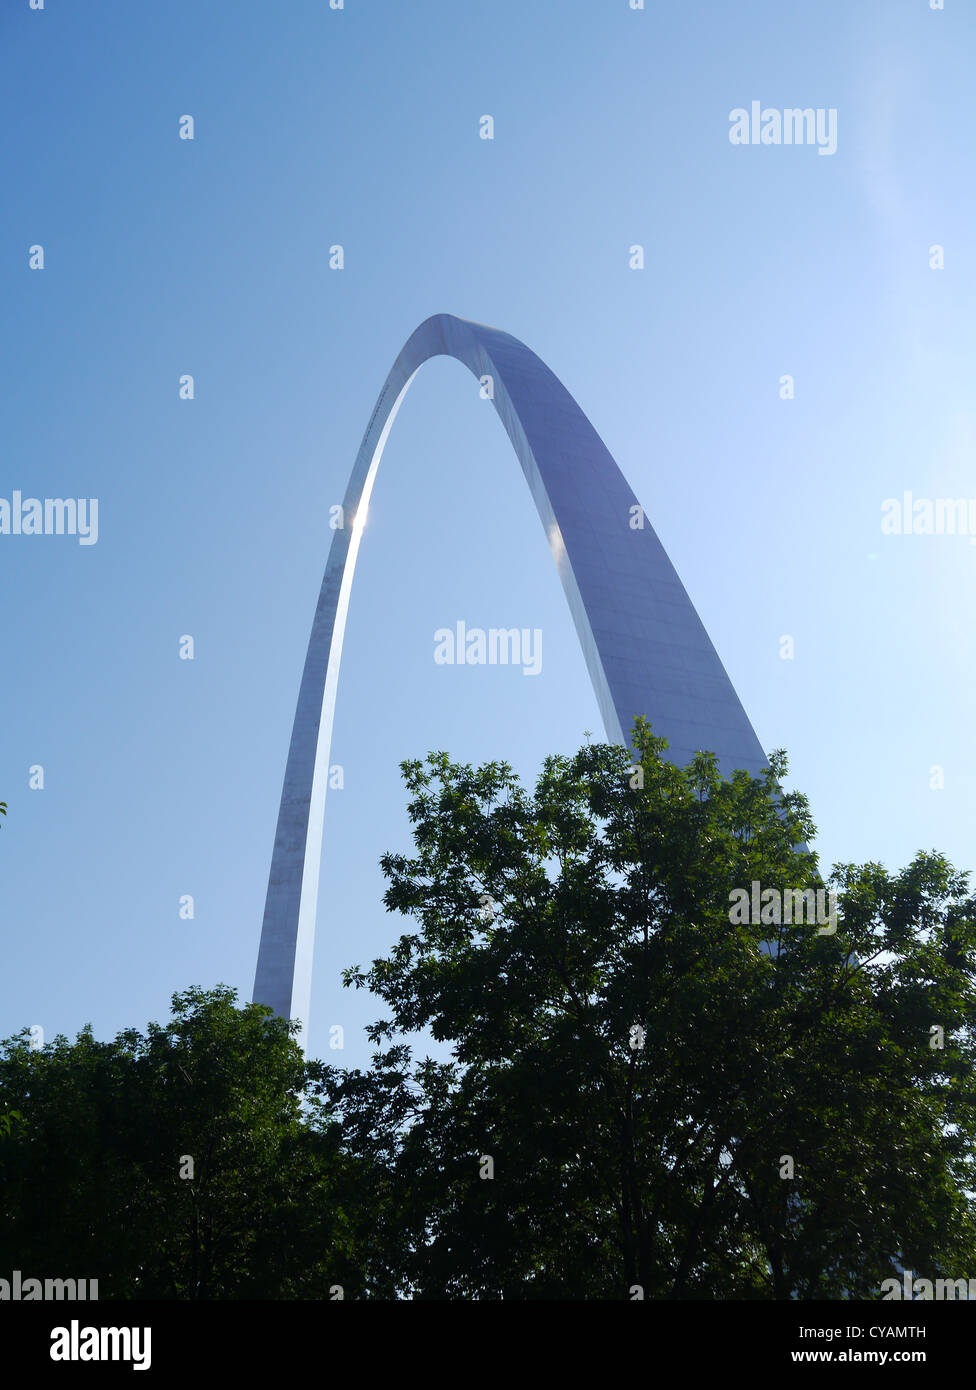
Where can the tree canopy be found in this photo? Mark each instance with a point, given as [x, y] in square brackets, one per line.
[647, 1098]
[640, 1090]
[177, 1163]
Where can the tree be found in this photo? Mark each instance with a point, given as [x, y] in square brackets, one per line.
[647, 1098]
[181, 1163]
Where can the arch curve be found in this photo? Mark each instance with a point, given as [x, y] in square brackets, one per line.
[646, 649]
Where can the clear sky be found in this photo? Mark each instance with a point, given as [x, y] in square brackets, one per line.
[315, 127]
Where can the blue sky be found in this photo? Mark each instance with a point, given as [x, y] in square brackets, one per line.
[360, 127]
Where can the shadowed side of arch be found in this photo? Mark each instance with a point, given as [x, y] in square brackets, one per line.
[646, 649]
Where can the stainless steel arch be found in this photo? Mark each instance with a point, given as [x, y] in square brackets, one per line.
[645, 647]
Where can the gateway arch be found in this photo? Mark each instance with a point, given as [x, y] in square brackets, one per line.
[645, 647]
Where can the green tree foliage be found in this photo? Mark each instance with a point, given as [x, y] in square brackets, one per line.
[643, 1089]
[636, 1070]
[90, 1174]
